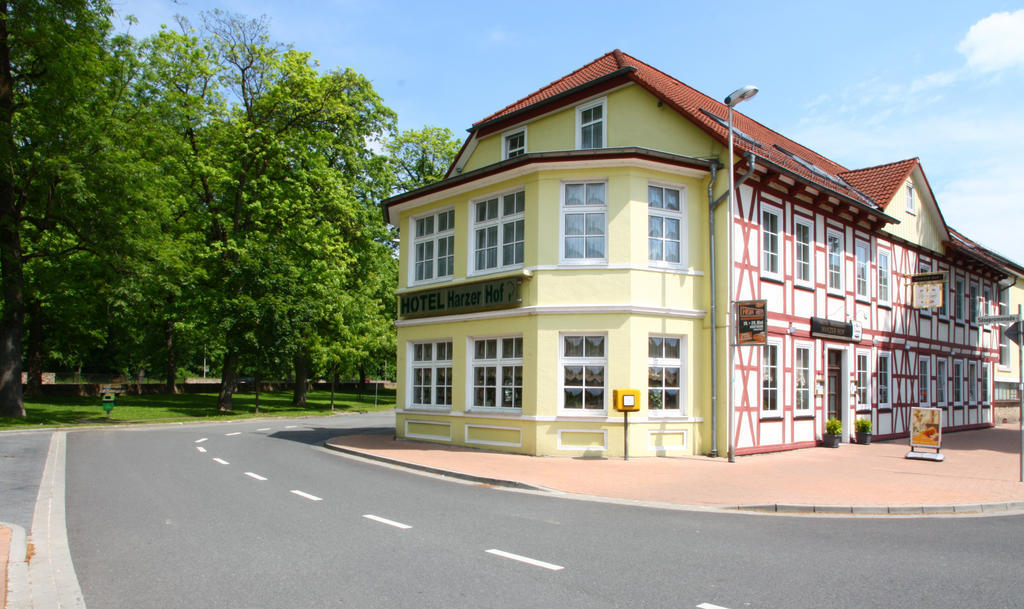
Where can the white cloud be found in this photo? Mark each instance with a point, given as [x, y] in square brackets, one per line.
[995, 43]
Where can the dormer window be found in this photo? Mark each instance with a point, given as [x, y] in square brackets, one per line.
[515, 144]
[910, 198]
[590, 119]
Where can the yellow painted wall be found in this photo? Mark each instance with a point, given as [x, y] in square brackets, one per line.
[924, 227]
[633, 118]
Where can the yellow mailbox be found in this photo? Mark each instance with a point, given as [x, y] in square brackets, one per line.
[626, 400]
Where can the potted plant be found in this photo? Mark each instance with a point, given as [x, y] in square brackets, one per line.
[863, 429]
[833, 433]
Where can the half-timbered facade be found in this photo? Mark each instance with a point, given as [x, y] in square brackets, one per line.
[578, 246]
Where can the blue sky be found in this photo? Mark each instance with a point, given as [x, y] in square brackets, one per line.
[861, 83]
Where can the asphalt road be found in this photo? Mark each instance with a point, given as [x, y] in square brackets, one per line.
[255, 514]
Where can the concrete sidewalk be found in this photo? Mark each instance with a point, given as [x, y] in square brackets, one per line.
[981, 473]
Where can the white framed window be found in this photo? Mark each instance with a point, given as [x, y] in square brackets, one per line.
[884, 276]
[911, 206]
[770, 369]
[863, 379]
[941, 380]
[986, 302]
[924, 267]
[803, 231]
[666, 224]
[883, 377]
[863, 256]
[972, 381]
[431, 374]
[960, 296]
[803, 372]
[584, 221]
[590, 121]
[497, 373]
[834, 244]
[974, 304]
[434, 246]
[986, 375]
[944, 308]
[498, 224]
[513, 144]
[771, 241]
[1004, 341]
[583, 360]
[958, 382]
[665, 361]
[924, 379]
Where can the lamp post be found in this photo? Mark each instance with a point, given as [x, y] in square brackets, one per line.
[737, 96]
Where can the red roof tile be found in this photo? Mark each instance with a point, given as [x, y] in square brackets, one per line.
[881, 182]
[701, 110]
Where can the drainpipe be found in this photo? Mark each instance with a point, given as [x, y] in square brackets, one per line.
[712, 205]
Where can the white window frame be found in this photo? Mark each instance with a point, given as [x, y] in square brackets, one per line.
[603, 104]
[924, 267]
[653, 361]
[973, 304]
[958, 383]
[499, 223]
[1004, 341]
[958, 308]
[924, 367]
[862, 271]
[972, 381]
[799, 222]
[884, 275]
[984, 396]
[944, 309]
[434, 364]
[565, 361]
[767, 239]
[772, 351]
[502, 362]
[434, 238]
[506, 151]
[668, 214]
[941, 382]
[883, 380]
[862, 377]
[807, 389]
[586, 210]
[831, 234]
[911, 207]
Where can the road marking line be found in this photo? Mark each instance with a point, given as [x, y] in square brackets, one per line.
[397, 525]
[307, 496]
[201, 440]
[201, 449]
[263, 429]
[221, 461]
[529, 561]
[290, 426]
[256, 476]
[709, 606]
[235, 433]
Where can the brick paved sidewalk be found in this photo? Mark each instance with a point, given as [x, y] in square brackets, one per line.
[980, 467]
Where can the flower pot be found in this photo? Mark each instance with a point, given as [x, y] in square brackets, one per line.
[830, 440]
[863, 437]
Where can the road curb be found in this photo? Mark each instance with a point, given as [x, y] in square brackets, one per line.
[17, 568]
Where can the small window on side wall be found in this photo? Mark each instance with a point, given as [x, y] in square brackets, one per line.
[514, 144]
[590, 121]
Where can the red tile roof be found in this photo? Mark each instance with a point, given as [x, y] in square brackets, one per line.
[881, 182]
[698, 108]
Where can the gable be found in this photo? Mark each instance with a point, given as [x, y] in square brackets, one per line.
[921, 222]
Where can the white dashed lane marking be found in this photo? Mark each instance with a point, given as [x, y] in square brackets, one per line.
[391, 523]
[709, 606]
[527, 560]
[234, 433]
[201, 440]
[255, 476]
[201, 449]
[306, 495]
[221, 461]
[263, 429]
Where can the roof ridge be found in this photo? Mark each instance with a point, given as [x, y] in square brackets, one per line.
[881, 165]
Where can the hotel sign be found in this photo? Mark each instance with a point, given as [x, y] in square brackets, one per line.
[826, 328]
[928, 289]
[461, 298]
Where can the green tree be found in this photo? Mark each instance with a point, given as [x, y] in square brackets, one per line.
[421, 156]
[280, 165]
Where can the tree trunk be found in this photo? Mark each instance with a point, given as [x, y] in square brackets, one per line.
[171, 376]
[34, 362]
[12, 278]
[138, 380]
[334, 380]
[228, 380]
[301, 378]
[362, 381]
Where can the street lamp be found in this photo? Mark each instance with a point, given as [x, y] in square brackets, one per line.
[737, 96]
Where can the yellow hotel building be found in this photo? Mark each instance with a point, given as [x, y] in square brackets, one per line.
[567, 256]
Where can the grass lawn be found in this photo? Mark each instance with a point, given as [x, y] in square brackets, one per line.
[61, 411]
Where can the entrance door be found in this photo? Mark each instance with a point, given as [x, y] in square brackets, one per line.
[834, 397]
